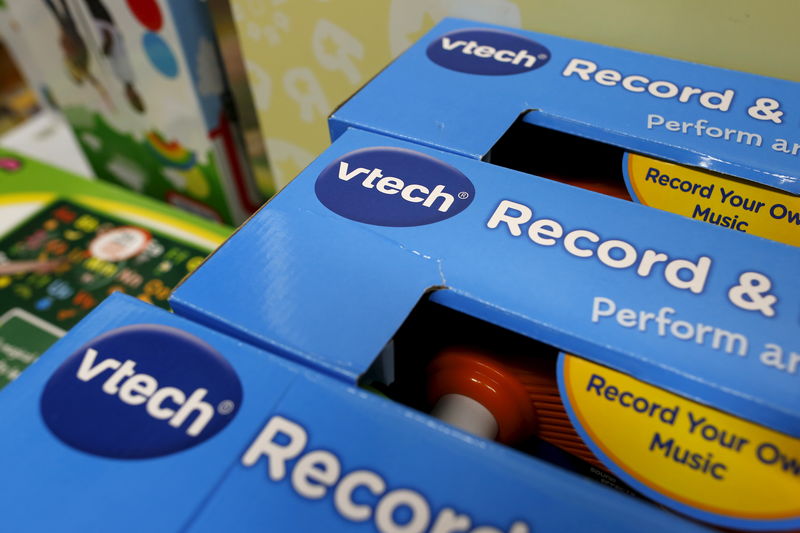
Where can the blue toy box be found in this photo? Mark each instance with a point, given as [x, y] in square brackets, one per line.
[139, 420]
[686, 384]
[711, 144]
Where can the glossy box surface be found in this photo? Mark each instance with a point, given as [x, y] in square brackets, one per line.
[298, 451]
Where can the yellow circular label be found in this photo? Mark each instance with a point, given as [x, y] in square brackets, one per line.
[690, 457]
[724, 201]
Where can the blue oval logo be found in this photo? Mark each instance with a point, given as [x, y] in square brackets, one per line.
[387, 186]
[487, 52]
[141, 391]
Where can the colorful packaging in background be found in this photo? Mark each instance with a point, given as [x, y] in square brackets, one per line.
[67, 243]
[151, 422]
[236, 74]
[302, 63]
[18, 99]
[686, 382]
[714, 145]
[141, 85]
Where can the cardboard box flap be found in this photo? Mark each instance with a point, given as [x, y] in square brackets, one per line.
[307, 288]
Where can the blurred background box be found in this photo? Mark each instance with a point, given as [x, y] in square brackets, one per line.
[67, 243]
[303, 59]
[18, 98]
[140, 83]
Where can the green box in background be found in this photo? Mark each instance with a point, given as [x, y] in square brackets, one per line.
[66, 243]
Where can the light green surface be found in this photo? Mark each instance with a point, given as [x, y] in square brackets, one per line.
[761, 37]
[35, 177]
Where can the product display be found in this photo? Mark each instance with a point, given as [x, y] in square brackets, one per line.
[66, 243]
[533, 284]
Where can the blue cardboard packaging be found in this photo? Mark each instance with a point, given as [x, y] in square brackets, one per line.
[686, 384]
[711, 144]
[140, 420]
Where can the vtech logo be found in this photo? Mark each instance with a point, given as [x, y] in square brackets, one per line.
[387, 186]
[487, 52]
[141, 391]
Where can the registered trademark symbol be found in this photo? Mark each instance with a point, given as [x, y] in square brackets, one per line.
[225, 407]
[542, 56]
[463, 195]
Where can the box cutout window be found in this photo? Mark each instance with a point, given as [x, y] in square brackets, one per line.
[561, 157]
[486, 380]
